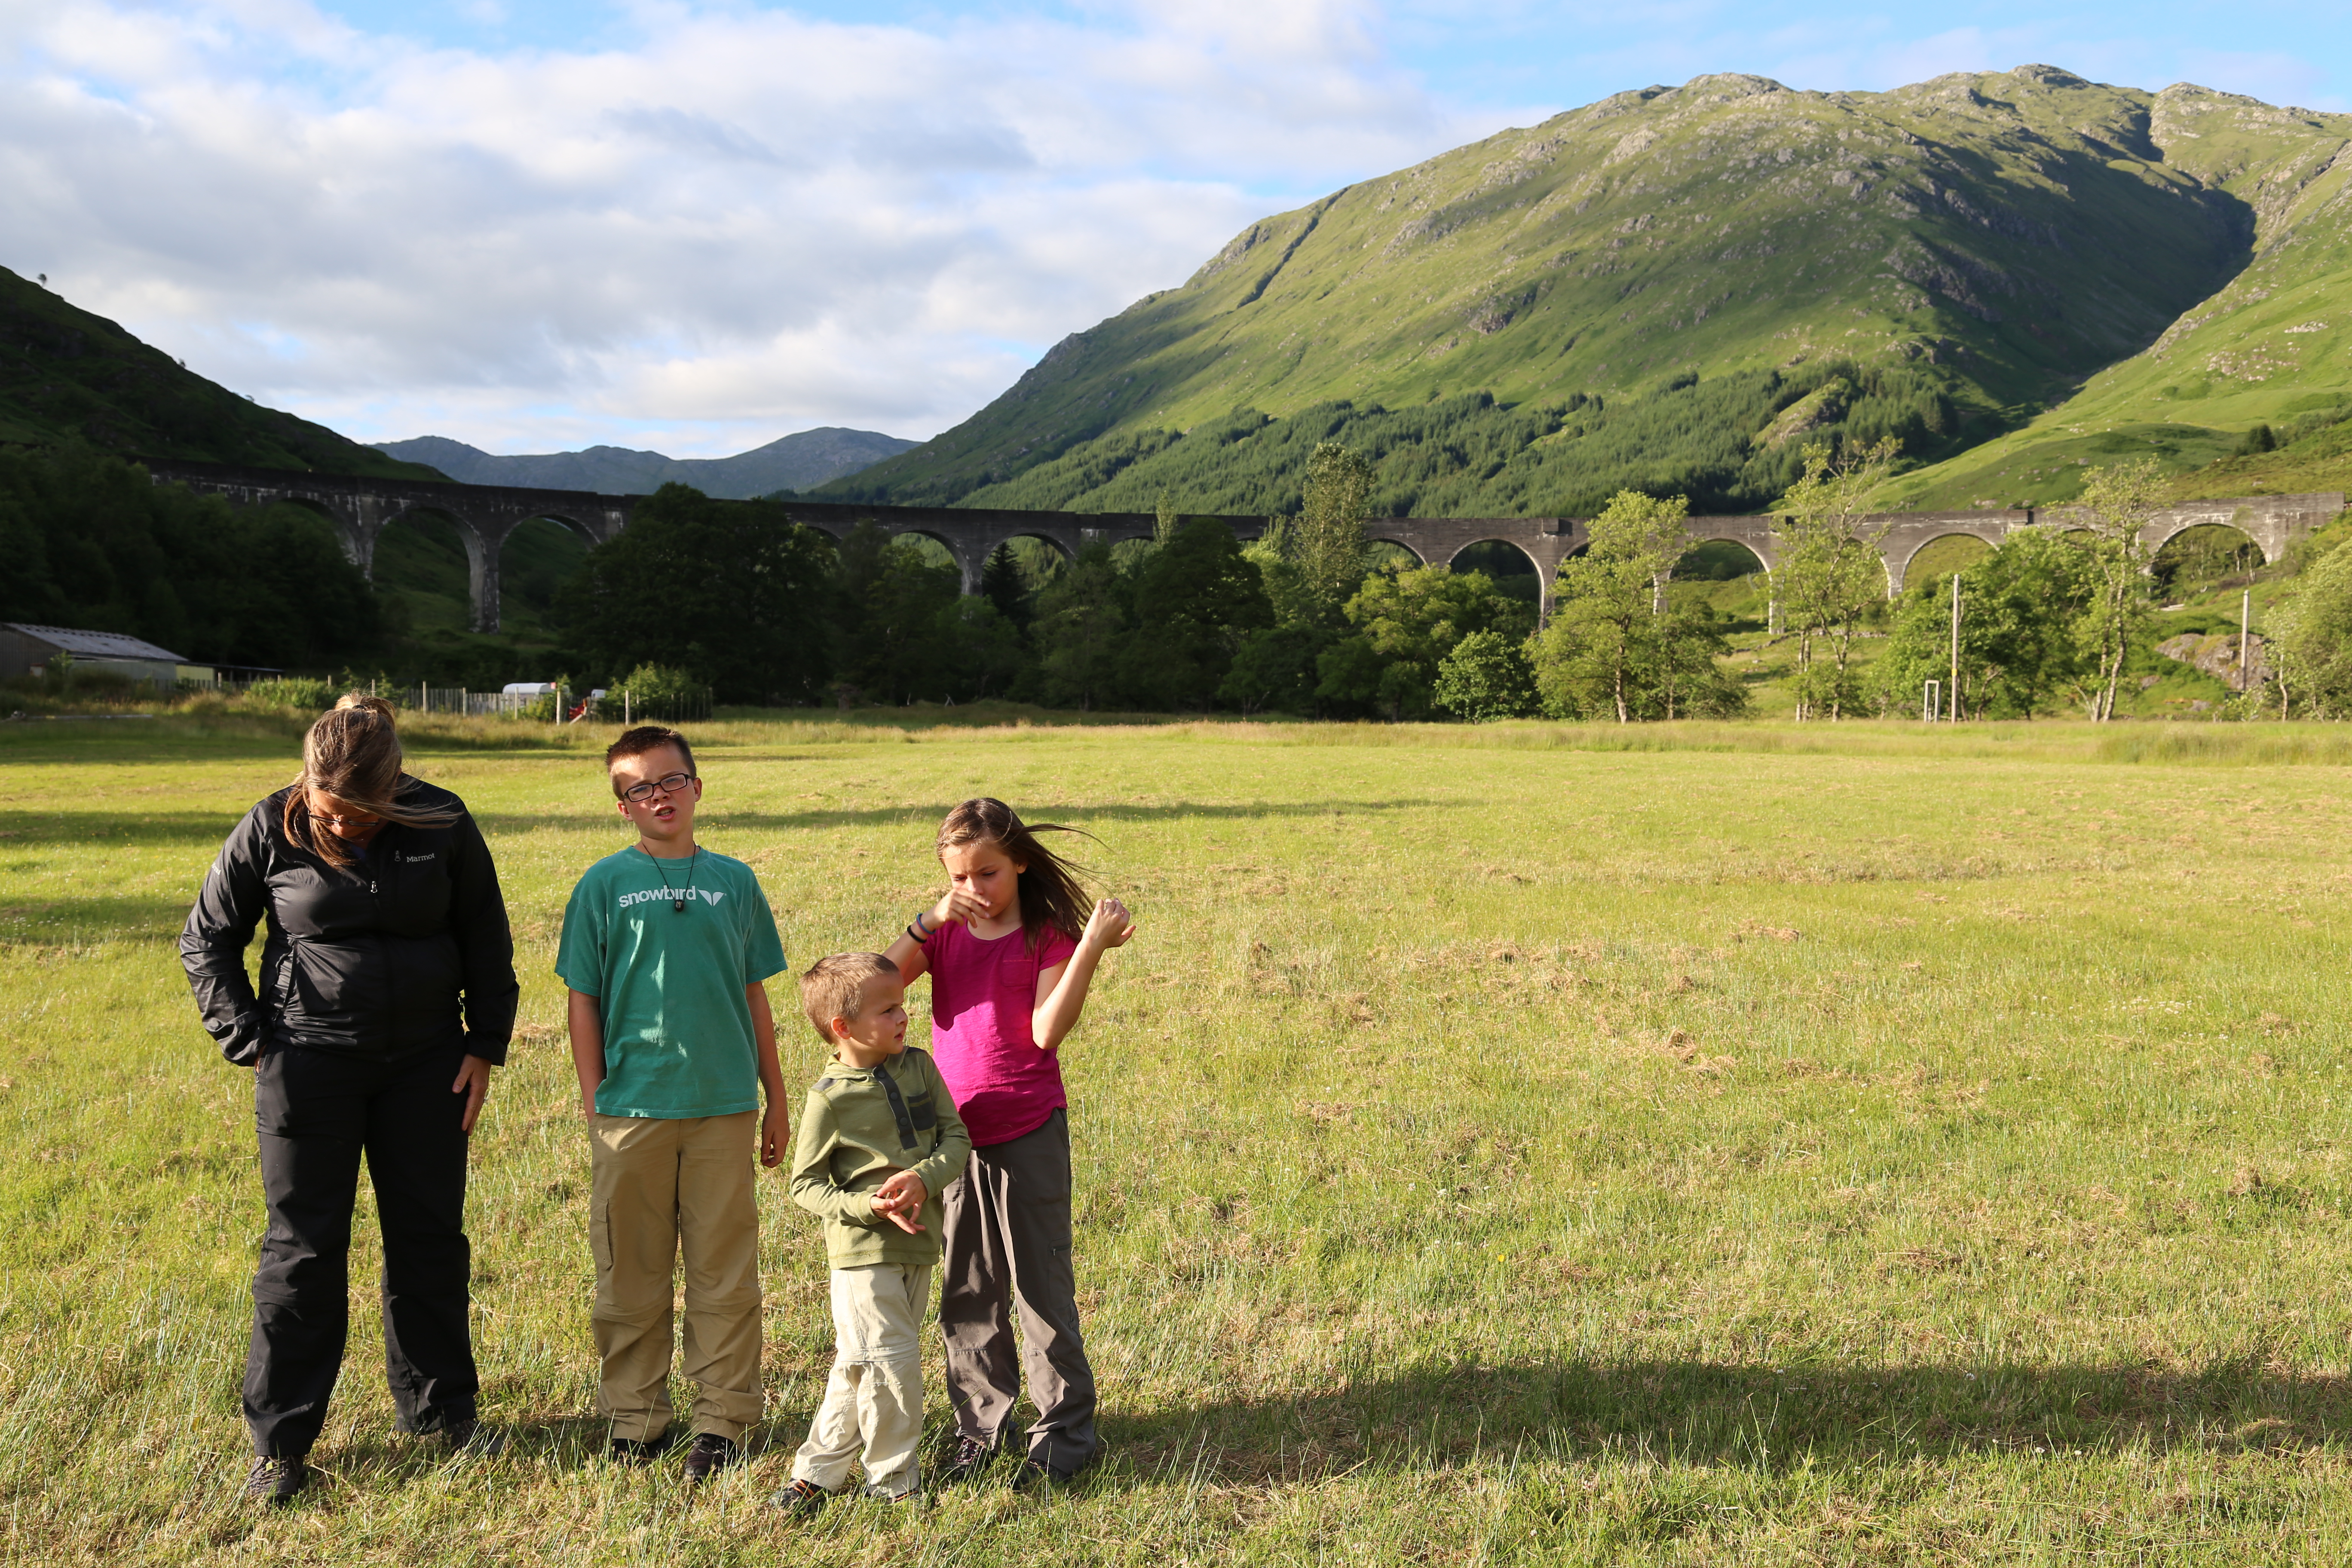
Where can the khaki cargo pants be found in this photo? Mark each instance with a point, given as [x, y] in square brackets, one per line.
[872, 1409]
[662, 1186]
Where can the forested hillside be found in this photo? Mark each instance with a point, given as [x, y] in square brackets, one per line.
[1663, 289]
[67, 375]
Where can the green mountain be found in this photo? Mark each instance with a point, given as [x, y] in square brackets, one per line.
[66, 375]
[1670, 288]
[2274, 346]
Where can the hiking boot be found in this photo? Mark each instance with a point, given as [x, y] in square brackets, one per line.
[972, 1457]
[636, 1451]
[1043, 1480]
[276, 1482]
[467, 1435]
[709, 1454]
[800, 1499]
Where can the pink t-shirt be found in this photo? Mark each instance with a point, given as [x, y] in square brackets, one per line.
[983, 995]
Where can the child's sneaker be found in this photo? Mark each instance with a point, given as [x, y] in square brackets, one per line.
[800, 1499]
[971, 1457]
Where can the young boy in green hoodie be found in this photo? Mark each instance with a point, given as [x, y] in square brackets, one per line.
[879, 1139]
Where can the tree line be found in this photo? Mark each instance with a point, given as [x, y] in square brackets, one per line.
[736, 598]
[87, 540]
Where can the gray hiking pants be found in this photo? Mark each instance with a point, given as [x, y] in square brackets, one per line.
[1008, 1247]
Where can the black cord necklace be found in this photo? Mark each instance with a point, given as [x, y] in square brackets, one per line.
[676, 900]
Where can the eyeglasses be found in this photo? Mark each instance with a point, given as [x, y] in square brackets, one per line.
[669, 783]
[358, 819]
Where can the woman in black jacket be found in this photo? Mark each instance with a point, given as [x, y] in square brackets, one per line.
[387, 994]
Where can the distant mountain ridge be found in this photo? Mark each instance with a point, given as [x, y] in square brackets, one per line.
[1640, 292]
[796, 462]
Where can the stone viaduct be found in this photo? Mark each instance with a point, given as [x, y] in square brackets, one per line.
[361, 508]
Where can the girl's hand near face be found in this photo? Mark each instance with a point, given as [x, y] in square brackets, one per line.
[1110, 926]
[959, 905]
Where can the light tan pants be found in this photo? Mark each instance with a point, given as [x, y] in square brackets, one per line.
[874, 1397]
[659, 1183]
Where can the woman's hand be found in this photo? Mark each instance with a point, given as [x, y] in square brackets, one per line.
[1110, 926]
[473, 1083]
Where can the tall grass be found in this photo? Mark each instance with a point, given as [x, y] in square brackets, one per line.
[1801, 1145]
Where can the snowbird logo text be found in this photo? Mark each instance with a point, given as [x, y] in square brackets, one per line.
[652, 895]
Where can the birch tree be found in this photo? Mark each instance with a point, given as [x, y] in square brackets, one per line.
[1599, 652]
[1326, 544]
[1831, 577]
[2117, 505]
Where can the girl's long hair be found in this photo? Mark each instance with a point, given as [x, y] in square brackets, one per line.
[352, 755]
[1051, 897]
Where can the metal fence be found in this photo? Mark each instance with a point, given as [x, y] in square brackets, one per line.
[617, 706]
[471, 704]
[625, 706]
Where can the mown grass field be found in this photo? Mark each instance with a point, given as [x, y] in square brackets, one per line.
[1752, 1144]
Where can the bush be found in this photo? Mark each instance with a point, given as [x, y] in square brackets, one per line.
[294, 692]
[1486, 676]
[658, 693]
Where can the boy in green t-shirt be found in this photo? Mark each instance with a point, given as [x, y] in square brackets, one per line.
[665, 949]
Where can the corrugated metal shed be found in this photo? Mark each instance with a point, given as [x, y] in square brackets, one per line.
[96, 644]
[26, 646]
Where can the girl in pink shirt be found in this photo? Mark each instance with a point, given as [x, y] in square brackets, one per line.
[1011, 949]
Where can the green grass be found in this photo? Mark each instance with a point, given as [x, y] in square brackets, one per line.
[1694, 1144]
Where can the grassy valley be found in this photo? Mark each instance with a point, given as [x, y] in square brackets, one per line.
[1835, 1144]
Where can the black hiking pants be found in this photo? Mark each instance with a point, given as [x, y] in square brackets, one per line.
[1008, 1253]
[317, 1113]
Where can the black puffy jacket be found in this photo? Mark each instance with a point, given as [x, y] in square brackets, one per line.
[404, 948]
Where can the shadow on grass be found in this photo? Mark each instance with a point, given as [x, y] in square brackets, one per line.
[105, 832]
[39, 922]
[1756, 1416]
[717, 819]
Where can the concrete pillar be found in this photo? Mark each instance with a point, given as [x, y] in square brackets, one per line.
[483, 542]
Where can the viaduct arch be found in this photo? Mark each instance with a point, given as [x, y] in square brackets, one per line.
[362, 507]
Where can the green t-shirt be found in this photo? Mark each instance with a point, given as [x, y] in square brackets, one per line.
[669, 983]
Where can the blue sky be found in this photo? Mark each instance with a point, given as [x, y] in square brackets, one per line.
[697, 227]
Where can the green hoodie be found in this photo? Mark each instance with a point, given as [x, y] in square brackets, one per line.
[859, 1126]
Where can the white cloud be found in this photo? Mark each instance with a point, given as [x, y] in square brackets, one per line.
[746, 223]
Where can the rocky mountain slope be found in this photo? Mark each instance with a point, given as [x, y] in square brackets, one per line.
[66, 375]
[797, 462]
[2272, 347]
[1670, 287]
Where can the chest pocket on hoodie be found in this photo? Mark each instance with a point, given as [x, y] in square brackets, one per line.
[921, 1111]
